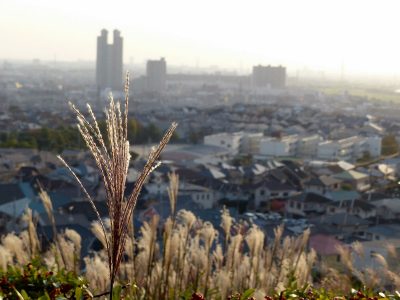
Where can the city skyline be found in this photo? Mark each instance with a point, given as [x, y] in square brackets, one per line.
[356, 35]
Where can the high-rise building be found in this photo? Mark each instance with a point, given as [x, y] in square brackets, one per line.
[156, 75]
[269, 76]
[109, 61]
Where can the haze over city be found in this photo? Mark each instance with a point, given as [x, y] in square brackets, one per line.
[200, 150]
[359, 37]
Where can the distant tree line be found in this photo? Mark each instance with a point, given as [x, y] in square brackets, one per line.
[68, 137]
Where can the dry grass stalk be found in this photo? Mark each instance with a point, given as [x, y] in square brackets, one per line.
[112, 160]
[35, 246]
[16, 248]
[173, 191]
[168, 228]
[226, 225]
[48, 206]
[190, 252]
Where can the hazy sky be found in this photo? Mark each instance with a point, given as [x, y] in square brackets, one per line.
[363, 34]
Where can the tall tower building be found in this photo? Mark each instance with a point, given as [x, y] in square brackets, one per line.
[156, 75]
[109, 61]
[269, 76]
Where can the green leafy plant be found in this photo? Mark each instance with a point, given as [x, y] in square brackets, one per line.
[35, 281]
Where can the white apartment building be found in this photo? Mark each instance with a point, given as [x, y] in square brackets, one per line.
[307, 146]
[231, 141]
[237, 142]
[250, 143]
[292, 145]
[285, 146]
[349, 149]
[374, 145]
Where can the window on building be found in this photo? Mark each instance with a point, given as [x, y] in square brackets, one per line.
[298, 205]
[262, 192]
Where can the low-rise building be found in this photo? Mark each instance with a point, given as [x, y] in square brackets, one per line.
[231, 141]
[381, 232]
[356, 180]
[270, 189]
[306, 204]
[360, 208]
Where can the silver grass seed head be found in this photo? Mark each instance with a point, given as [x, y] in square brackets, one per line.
[358, 248]
[380, 259]
[187, 218]
[208, 234]
[392, 251]
[226, 221]
[74, 237]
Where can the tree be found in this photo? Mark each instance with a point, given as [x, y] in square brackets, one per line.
[389, 145]
[366, 156]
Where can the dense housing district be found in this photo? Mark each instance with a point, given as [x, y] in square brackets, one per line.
[272, 154]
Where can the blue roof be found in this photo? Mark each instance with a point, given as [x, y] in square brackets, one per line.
[184, 202]
[27, 190]
[10, 192]
[387, 230]
[343, 195]
[57, 199]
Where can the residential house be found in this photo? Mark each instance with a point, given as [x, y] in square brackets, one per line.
[314, 185]
[360, 208]
[346, 223]
[356, 180]
[381, 232]
[295, 172]
[204, 197]
[272, 188]
[387, 208]
[307, 204]
[326, 246]
[330, 183]
[341, 196]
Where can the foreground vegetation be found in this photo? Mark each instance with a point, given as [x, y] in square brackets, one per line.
[185, 258]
